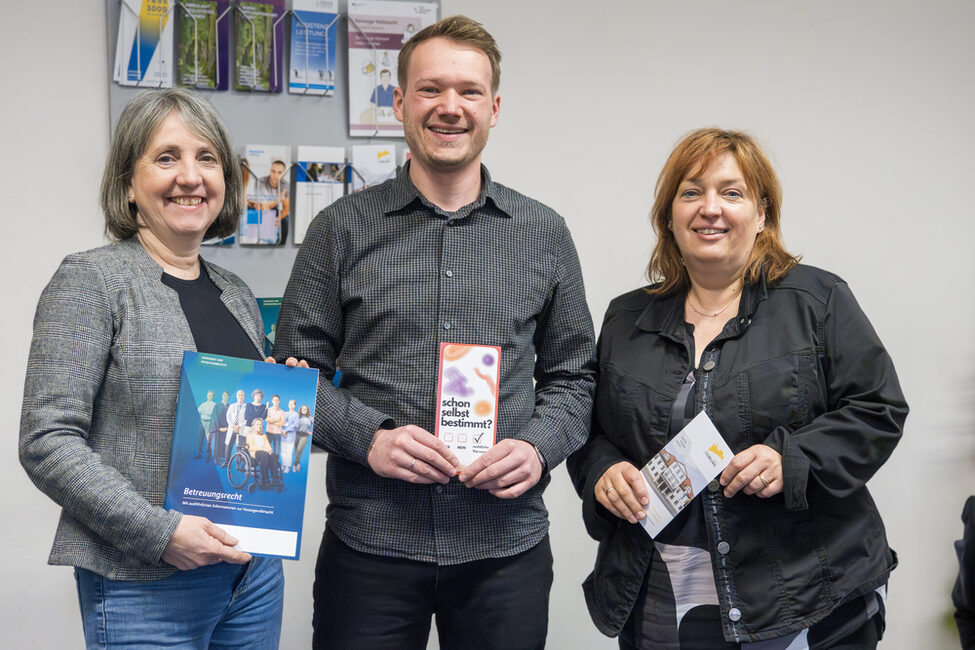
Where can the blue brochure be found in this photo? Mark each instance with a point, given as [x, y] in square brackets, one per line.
[241, 445]
[270, 307]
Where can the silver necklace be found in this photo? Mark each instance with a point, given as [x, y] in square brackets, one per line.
[717, 313]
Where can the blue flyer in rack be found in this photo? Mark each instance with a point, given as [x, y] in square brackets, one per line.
[314, 32]
[241, 445]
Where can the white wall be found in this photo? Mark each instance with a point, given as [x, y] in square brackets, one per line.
[864, 107]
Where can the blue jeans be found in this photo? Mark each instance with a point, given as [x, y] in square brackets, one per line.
[217, 606]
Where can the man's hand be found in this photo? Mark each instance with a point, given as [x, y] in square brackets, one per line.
[622, 491]
[507, 470]
[197, 542]
[757, 470]
[411, 454]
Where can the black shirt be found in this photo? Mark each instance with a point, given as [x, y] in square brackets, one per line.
[214, 328]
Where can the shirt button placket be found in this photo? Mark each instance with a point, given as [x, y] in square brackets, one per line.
[445, 275]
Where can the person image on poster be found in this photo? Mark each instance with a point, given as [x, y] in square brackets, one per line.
[382, 94]
[290, 431]
[406, 525]
[236, 416]
[206, 416]
[218, 428]
[272, 194]
[275, 422]
[259, 447]
[301, 435]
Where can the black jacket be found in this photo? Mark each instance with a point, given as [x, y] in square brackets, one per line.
[799, 369]
[963, 594]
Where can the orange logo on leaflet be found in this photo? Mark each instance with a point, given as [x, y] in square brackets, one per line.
[714, 449]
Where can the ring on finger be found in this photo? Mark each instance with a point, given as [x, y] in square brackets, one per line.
[765, 481]
[609, 489]
[414, 463]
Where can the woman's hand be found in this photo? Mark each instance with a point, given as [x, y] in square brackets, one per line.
[622, 491]
[197, 542]
[291, 362]
[757, 471]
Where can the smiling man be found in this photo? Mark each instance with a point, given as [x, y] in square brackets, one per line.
[440, 254]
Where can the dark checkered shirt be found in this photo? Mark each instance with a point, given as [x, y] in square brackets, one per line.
[384, 277]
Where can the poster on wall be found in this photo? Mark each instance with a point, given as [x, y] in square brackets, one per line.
[203, 44]
[267, 216]
[314, 31]
[320, 175]
[377, 31]
[260, 45]
[144, 49]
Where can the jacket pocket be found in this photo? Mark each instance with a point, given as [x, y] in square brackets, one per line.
[784, 391]
[632, 413]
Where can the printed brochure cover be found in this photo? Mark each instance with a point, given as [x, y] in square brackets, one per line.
[260, 45]
[372, 164]
[144, 49]
[320, 175]
[682, 470]
[467, 398]
[203, 44]
[377, 31]
[314, 31]
[266, 171]
[241, 443]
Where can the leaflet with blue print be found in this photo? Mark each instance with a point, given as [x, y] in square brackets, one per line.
[241, 445]
[314, 33]
[682, 470]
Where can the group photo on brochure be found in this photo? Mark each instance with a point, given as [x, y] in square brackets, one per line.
[720, 431]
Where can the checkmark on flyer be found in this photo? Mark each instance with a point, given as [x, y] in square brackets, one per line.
[477, 438]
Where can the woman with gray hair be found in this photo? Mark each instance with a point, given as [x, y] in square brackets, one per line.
[102, 380]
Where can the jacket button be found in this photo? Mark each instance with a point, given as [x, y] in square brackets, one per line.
[714, 486]
[709, 366]
[724, 547]
[734, 614]
[439, 489]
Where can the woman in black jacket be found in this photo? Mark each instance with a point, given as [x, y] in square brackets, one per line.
[786, 547]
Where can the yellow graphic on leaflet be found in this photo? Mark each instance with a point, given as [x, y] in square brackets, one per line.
[716, 450]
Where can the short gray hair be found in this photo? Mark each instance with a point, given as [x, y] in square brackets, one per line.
[138, 122]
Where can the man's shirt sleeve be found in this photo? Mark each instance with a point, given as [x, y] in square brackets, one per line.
[565, 376]
[310, 327]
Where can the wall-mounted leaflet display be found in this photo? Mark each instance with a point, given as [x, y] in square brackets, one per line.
[267, 215]
[372, 164]
[259, 45]
[377, 31]
[203, 44]
[320, 177]
[314, 31]
[144, 49]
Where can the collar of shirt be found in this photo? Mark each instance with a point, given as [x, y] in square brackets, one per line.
[403, 193]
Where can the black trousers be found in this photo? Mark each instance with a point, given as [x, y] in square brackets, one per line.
[366, 602]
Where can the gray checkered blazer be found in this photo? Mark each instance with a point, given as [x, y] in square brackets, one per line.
[99, 401]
